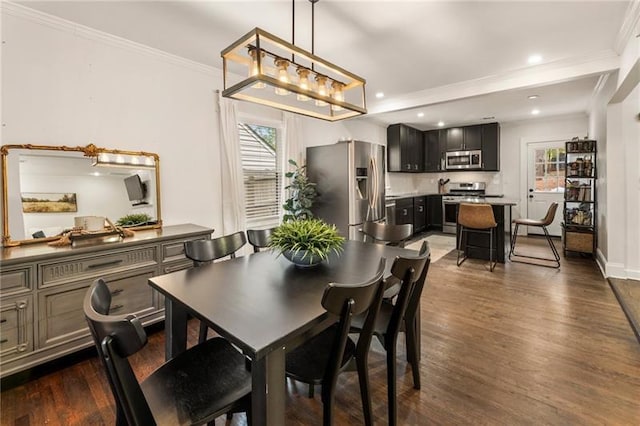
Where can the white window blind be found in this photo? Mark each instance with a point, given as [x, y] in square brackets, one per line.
[259, 150]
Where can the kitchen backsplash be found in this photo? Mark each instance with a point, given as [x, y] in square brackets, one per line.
[406, 183]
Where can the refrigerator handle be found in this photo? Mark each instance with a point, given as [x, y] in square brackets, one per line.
[374, 199]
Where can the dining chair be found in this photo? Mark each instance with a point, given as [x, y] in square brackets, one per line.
[195, 387]
[542, 223]
[477, 218]
[401, 316]
[259, 238]
[320, 360]
[206, 251]
[395, 235]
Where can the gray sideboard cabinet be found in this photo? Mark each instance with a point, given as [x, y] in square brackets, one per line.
[42, 289]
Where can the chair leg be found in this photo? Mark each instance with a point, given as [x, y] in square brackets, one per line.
[458, 261]
[513, 240]
[556, 255]
[363, 377]
[391, 383]
[492, 264]
[413, 353]
[327, 407]
[202, 335]
[311, 390]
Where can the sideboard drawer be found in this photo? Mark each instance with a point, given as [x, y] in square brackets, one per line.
[174, 251]
[16, 326]
[15, 281]
[96, 266]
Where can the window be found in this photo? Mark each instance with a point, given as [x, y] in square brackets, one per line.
[259, 151]
[549, 169]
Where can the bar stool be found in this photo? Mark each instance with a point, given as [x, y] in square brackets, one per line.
[542, 223]
[477, 218]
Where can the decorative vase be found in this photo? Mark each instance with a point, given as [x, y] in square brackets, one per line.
[302, 258]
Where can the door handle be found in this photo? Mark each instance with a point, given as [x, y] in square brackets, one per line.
[530, 189]
[531, 196]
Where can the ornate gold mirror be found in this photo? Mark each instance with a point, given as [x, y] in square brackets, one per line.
[48, 190]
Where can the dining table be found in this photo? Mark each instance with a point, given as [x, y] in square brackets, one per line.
[265, 306]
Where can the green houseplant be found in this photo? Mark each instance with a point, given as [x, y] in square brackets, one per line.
[302, 194]
[306, 242]
[134, 220]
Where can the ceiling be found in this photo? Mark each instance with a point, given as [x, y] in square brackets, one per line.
[455, 61]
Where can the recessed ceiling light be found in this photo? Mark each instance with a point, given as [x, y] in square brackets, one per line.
[533, 96]
[535, 112]
[379, 95]
[534, 59]
[440, 123]
[421, 114]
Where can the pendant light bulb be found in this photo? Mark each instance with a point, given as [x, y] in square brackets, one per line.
[321, 89]
[283, 75]
[338, 94]
[303, 83]
[255, 66]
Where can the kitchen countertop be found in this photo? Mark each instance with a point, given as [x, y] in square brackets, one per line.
[494, 201]
[409, 195]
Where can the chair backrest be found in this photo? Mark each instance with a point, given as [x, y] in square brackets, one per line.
[416, 293]
[386, 233]
[409, 270]
[476, 216]
[347, 300]
[206, 251]
[259, 238]
[116, 338]
[551, 214]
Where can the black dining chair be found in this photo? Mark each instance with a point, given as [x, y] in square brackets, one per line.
[206, 251]
[399, 316]
[259, 238]
[320, 360]
[384, 233]
[195, 387]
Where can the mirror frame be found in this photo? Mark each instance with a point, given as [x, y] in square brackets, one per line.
[90, 151]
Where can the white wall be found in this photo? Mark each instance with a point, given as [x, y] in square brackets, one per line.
[65, 85]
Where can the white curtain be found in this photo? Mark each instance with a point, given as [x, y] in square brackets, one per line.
[233, 209]
[292, 149]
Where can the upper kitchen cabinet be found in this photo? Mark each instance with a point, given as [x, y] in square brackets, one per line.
[454, 139]
[491, 147]
[405, 149]
[472, 137]
[434, 146]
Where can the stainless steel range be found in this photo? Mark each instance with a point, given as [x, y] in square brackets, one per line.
[458, 191]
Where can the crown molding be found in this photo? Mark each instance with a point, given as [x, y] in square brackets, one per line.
[540, 75]
[631, 19]
[89, 33]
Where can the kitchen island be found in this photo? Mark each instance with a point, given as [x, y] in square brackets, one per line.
[480, 241]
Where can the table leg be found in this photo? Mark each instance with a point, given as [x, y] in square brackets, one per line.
[268, 389]
[175, 327]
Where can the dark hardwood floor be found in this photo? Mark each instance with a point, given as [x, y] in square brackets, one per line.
[522, 345]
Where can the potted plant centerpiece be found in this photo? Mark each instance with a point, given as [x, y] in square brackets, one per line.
[304, 240]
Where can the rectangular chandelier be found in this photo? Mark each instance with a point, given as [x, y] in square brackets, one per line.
[268, 70]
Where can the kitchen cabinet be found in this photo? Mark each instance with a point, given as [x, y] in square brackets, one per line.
[419, 214]
[405, 149]
[454, 139]
[491, 147]
[472, 137]
[434, 212]
[42, 289]
[404, 211]
[579, 226]
[434, 148]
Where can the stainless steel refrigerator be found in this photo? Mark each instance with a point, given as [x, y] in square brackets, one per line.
[350, 182]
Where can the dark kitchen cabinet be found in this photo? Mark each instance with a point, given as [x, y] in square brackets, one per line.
[404, 211]
[434, 148]
[454, 139]
[405, 149]
[472, 137]
[491, 147]
[434, 212]
[419, 214]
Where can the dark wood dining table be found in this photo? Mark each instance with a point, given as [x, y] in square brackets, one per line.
[265, 306]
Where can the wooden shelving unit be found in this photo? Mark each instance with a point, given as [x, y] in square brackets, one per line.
[579, 227]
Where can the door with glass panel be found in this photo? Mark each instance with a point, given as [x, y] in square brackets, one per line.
[545, 183]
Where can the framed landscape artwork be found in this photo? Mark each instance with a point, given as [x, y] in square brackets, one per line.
[36, 202]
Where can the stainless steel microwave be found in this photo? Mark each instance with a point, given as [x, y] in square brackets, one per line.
[456, 160]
